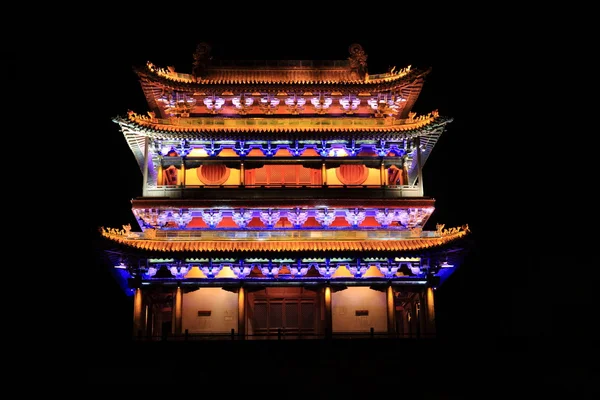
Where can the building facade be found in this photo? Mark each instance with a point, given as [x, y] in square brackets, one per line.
[282, 199]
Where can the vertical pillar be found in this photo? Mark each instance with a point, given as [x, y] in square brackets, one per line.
[430, 312]
[145, 170]
[391, 309]
[159, 177]
[242, 174]
[382, 173]
[177, 311]
[328, 314]
[421, 312]
[182, 183]
[149, 320]
[419, 165]
[242, 313]
[324, 174]
[138, 322]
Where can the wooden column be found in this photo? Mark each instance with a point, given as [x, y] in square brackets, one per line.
[177, 311]
[382, 174]
[242, 174]
[328, 314]
[182, 172]
[421, 312]
[145, 167]
[159, 176]
[149, 320]
[138, 321]
[242, 313]
[391, 309]
[419, 165]
[324, 174]
[429, 312]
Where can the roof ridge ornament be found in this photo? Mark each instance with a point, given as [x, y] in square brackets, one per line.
[202, 58]
[358, 60]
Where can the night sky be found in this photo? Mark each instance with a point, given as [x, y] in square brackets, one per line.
[506, 287]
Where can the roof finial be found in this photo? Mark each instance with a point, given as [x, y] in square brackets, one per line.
[358, 59]
[201, 59]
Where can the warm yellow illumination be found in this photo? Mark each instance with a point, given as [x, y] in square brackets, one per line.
[430, 306]
[318, 124]
[194, 272]
[272, 76]
[373, 272]
[137, 311]
[226, 272]
[198, 152]
[296, 241]
[228, 153]
[390, 309]
[346, 302]
[338, 153]
[341, 272]
[178, 310]
[241, 311]
[328, 311]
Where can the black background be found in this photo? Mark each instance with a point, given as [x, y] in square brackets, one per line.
[522, 284]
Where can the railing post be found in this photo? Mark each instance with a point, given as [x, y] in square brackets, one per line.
[232, 334]
[278, 333]
[186, 335]
[372, 332]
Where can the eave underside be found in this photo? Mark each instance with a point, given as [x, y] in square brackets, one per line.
[293, 245]
[408, 86]
[145, 202]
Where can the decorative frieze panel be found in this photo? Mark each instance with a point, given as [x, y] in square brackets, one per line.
[326, 270]
[212, 218]
[179, 270]
[297, 217]
[384, 217]
[183, 148]
[388, 270]
[298, 268]
[407, 219]
[211, 270]
[269, 217]
[241, 270]
[325, 216]
[269, 270]
[242, 217]
[355, 217]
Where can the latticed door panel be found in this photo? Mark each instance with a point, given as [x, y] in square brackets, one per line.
[291, 315]
[307, 317]
[275, 316]
[260, 317]
[261, 176]
[288, 316]
[289, 175]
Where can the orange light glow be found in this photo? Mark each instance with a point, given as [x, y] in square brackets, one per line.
[198, 152]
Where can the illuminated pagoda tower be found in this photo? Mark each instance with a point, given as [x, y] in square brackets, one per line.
[282, 198]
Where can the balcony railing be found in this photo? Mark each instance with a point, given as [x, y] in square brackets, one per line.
[279, 191]
[281, 334]
[291, 235]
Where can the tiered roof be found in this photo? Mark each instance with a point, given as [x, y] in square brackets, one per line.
[396, 241]
[210, 77]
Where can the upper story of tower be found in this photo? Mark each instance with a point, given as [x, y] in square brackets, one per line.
[304, 129]
[280, 88]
